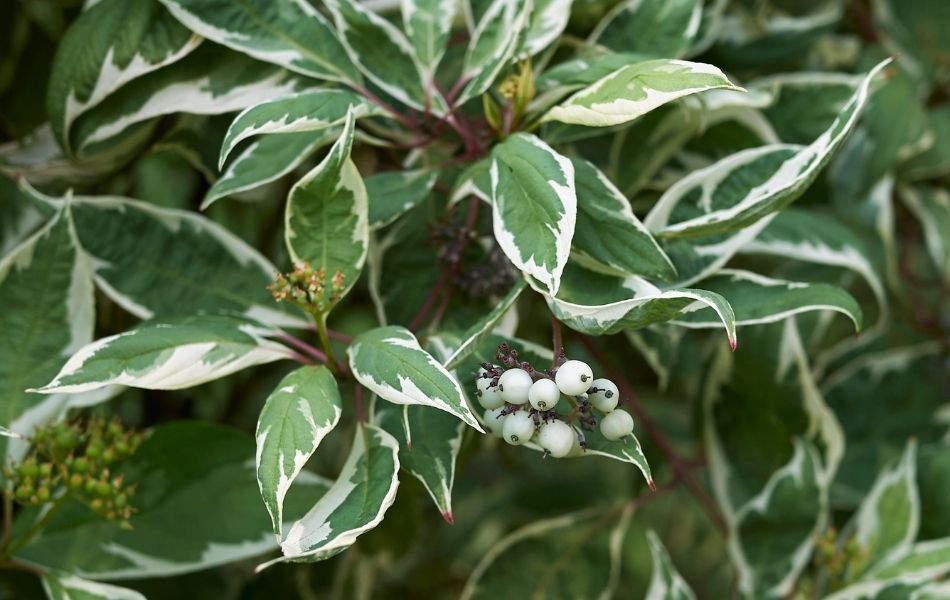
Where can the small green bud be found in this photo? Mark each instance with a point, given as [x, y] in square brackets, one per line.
[121, 500]
[46, 469]
[97, 505]
[75, 482]
[103, 489]
[43, 494]
[29, 468]
[24, 492]
[94, 449]
[81, 465]
[115, 429]
[91, 485]
[108, 456]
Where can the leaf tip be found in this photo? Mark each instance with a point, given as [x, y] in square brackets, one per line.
[652, 485]
[733, 344]
[449, 518]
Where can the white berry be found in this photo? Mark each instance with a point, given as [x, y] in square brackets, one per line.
[489, 396]
[514, 385]
[574, 377]
[557, 438]
[494, 420]
[616, 424]
[543, 394]
[606, 397]
[518, 428]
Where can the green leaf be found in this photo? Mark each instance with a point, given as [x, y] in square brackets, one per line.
[169, 354]
[493, 45]
[482, 328]
[572, 556]
[48, 313]
[303, 408]
[607, 231]
[931, 206]
[928, 559]
[428, 450]
[191, 477]
[267, 159]
[803, 106]
[355, 504]
[390, 362]
[935, 161]
[666, 583]
[311, 110]
[382, 52]
[548, 20]
[581, 72]
[473, 181]
[888, 519]
[759, 299]
[656, 28]
[107, 46]
[63, 586]
[914, 33]
[535, 206]
[289, 33]
[393, 193]
[634, 90]
[327, 214]
[427, 24]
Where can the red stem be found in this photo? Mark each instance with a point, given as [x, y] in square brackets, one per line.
[358, 397]
[303, 347]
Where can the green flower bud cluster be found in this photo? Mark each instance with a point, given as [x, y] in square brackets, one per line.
[77, 458]
[308, 288]
[521, 403]
[841, 560]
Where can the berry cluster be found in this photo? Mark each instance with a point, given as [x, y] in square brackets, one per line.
[307, 287]
[521, 403]
[490, 276]
[76, 458]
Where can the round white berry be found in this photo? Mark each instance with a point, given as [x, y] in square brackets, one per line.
[616, 424]
[518, 428]
[514, 385]
[489, 396]
[574, 377]
[557, 438]
[494, 420]
[604, 395]
[543, 394]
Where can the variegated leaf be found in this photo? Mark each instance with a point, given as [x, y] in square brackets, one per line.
[581, 72]
[535, 207]
[482, 328]
[935, 161]
[929, 559]
[427, 24]
[390, 362]
[169, 354]
[382, 52]
[355, 504]
[311, 110]
[666, 583]
[493, 44]
[931, 206]
[547, 23]
[473, 181]
[303, 408]
[267, 159]
[327, 222]
[634, 90]
[655, 28]
[289, 33]
[607, 231]
[759, 299]
[63, 586]
[107, 46]
[393, 193]
[747, 186]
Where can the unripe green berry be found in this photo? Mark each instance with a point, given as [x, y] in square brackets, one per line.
[518, 428]
[66, 440]
[115, 429]
[108, 456]
[120, 501]
[514, 385]
[24, 492]
[29, 468]
[606, 396]
[616, 424]
[46, 469]
[557, 438]
[97, 505]
[121, 448]
[94, 449]
[90, 486]
[81, 465]
[75, 482]
[543, 394]
[574, 377]
[43, 494]
[103, 489]
[489, 396]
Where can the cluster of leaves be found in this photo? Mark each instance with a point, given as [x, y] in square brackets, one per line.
[500, 170]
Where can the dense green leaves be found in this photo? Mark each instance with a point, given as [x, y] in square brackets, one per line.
[656, 28]
[493, 43]
[62, 586]
[666, 583]
[427, 24]
[481, 329]
[393, 193]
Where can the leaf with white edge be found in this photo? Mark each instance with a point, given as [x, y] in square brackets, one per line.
[626, 450]
[265, 160]
[289, 33]
[582, 542]
[548, 20]
[634, 90]
[581, 72]
[303, 408]
[899, 588]
[482, 328]
[656, 28]
[749, 185]
[600, 304]
[888, 519]
[390, 362]
[931, 206]
[534, 207]
[493, 45]
[607, 231]
[209, 81]
[311, 110]
[759, 299]
[48, 313]
[428, 450]
[427, 24]
[327, 216]
[930, 559]
[190, 476]
[473, 181]
[382, 52]
[157, 262]
[355, 504]
[393, 193]
[63, 586]
[169, 354]
[935, 161]
[107, 46]
[666, 583]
